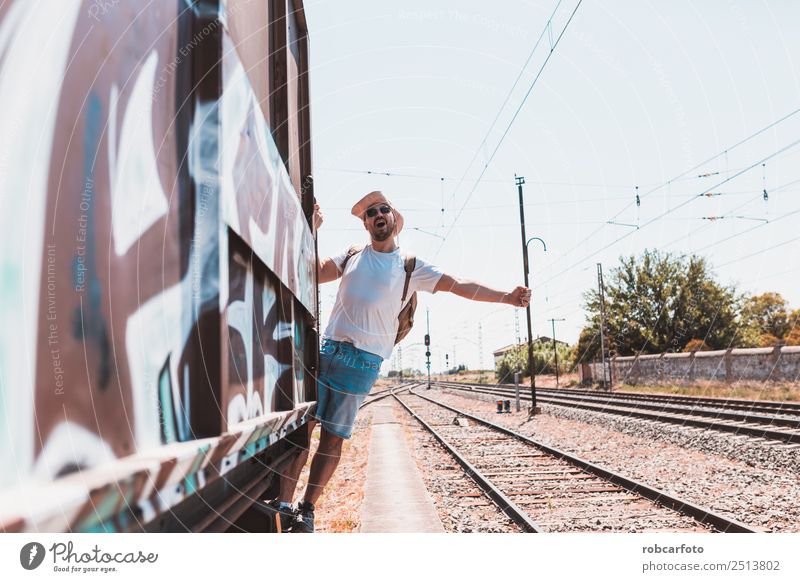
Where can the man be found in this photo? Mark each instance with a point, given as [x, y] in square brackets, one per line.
[360, 335]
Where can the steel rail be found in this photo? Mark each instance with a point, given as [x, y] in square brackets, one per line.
[682, 409]
[631, 411]
[387, 392]
[697, 512]
[750, 406]
[658, 404]
[767, 406]
[511, 509]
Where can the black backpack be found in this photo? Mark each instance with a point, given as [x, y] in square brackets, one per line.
[406, 315]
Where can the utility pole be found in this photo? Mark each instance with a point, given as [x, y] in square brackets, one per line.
[601, 291]
[480, 351]
[400, 362]
[520, 181]
[428, 345]
[555, 350]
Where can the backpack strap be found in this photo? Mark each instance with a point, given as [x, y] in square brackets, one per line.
[410, 264]
[350, 252]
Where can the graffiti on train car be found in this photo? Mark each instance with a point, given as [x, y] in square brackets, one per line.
[261, 207]
[260, 203]
[128, 302]
[108, 171]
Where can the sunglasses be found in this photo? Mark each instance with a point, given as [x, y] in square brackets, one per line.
[373, 212]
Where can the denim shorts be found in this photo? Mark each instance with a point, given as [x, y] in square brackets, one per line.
[346, 375]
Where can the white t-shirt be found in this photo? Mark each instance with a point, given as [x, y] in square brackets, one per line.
[369, 298]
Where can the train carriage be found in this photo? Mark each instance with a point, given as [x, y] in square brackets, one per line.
[159, 291]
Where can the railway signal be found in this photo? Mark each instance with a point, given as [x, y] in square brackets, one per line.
[428, 345]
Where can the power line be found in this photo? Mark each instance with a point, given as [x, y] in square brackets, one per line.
[782, 188]
[387, 174]
[714, 157]
[681, 205]
[505, 101]
[760, 252]
[547, 204]
[782, 217]
[682, 175]
[513, 119]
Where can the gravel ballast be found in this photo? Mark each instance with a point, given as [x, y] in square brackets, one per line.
[751, 480]
[460, 503]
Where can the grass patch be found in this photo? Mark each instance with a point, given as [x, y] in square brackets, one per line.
[339, 506]
[780, 391]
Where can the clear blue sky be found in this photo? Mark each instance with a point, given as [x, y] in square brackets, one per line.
[636, 93]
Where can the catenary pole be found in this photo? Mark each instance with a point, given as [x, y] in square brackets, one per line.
[520, 180]
[555, 351]
[601, 292]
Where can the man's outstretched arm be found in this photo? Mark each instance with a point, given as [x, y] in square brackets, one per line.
[519, 297]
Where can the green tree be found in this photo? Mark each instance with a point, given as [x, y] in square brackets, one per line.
[766, 319]
[543, 360]
[658, 302]
[793, 337]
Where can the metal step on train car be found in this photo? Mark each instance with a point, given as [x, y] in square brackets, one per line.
[159, 297]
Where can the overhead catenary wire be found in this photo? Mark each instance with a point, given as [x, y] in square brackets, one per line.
[570, 298]
[674, 208]
[598, 199]
[683, 175]
[759, 252]
[705, 226]
[752, 228]
[511, 123]
[505, 101]
[782, 188]
[388, 174]
[721, 154]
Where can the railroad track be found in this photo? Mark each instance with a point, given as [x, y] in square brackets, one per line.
[543, 489]
[386, 392]
[778, 421]
[753, 406]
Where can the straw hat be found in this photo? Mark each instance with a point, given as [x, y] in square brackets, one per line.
[360, 207]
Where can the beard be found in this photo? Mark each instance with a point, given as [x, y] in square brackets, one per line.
[381, 234]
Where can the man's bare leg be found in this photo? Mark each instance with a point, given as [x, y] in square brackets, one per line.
[289, 479]
[324, 463]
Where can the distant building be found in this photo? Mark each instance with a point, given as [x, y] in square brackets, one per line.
[498, 354]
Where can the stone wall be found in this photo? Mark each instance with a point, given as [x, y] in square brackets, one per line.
[778, 364]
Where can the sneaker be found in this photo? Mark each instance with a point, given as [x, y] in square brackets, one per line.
[285, 511]
[304, 518]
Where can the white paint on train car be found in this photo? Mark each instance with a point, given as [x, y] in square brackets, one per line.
[35, 38]
[137, 196]
[240, 318]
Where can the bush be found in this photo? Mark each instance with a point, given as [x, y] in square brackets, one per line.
[543, 361]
